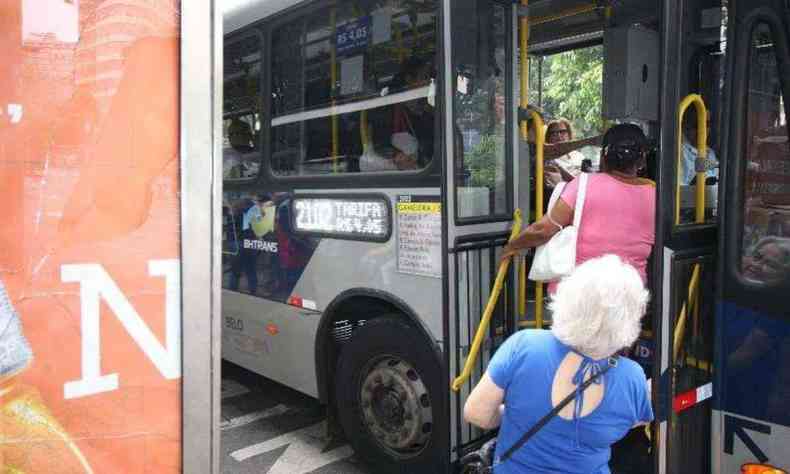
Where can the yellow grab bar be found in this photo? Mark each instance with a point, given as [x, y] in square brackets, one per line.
[702, 154]
[539, 20]
[688, 306]
[474, 351]
[522, 286]
[540, 141]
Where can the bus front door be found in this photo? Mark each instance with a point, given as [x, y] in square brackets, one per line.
[478, 201]
[681, 333]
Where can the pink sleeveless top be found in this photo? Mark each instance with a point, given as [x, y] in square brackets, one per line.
[618, 218]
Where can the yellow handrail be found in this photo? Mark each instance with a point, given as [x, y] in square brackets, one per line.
[522, 287]
[540, 141]
[363, 130]
[702, 154]
[535, 21]
[474, 351]
[691, 304]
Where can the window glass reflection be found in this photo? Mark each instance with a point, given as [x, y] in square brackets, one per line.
[766, 237]
[241, 109]
[479, 61]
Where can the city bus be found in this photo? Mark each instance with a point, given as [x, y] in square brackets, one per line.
[374, 156]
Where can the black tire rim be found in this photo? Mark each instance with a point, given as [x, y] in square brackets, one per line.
[395, 406]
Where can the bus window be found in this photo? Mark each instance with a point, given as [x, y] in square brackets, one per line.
[353, 89]
[241, 128]
[479, 52]
[766, 237]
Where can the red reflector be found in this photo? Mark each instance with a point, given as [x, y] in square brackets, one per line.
[273, 329]
[295, 301]
[684, 400]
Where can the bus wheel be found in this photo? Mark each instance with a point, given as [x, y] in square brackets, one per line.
[387, 394]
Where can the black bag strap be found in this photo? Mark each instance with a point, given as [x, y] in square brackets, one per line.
[543, 421]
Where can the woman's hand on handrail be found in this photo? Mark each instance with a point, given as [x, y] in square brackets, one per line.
[538, 233]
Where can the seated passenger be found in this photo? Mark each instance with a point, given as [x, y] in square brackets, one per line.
[406, 149]
[688, 164]
[238, 161]
[416, 116]
[534, 370]
[404, 155]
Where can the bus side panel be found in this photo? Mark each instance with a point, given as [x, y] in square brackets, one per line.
[270, 338]
[751, 415]
[339, 265]
[273, 330]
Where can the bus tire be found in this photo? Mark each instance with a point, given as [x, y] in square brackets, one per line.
[388, 397]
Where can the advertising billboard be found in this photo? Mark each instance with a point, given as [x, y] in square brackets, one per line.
[90, 311]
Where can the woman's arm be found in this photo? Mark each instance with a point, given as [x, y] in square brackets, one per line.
[556, 150]
[483, 407]
[540, 232]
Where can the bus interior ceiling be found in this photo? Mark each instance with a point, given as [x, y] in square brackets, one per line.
[560, 24]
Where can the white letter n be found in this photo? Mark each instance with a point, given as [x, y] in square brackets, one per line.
[96, 284]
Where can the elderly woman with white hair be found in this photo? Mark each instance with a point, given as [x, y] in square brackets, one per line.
[597, 312]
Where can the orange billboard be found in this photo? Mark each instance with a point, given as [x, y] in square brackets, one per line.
[90, 316]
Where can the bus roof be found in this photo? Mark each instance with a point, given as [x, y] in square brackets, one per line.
[237, 14]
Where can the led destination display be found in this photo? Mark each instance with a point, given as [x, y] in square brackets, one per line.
[364, 218]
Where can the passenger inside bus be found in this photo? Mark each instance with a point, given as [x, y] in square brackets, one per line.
[416, 117]
[238, 160]
[619, 207]
[413, 125]
[688, 164]
[769, 261]
[568, 166]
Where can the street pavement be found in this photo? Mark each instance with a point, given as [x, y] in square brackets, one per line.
[267, 428]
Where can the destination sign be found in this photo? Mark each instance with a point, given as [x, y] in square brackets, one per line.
[364, 218]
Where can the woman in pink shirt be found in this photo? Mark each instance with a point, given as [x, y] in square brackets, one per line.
[619, 207]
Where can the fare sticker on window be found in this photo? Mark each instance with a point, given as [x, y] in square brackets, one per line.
[420, 236]
[363, 218]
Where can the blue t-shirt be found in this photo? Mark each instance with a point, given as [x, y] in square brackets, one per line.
[524, 367]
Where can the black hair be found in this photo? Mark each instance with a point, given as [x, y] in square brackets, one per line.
[624, 145]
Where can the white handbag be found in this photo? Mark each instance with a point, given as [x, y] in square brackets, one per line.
[557, 257]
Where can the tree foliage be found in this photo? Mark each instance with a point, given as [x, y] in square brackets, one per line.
[572, 83]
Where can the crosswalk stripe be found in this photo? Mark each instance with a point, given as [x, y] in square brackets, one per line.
[303, 454]
[248, 418]
[231, 388]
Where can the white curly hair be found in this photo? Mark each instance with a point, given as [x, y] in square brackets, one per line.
[598, 308]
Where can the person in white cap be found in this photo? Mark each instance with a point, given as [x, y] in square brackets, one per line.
[405, 154]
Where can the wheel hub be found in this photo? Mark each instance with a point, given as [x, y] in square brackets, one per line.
[396, 406]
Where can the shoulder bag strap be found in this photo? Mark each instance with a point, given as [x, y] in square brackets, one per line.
[555, 195]
[542, 422]
[581, 194]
